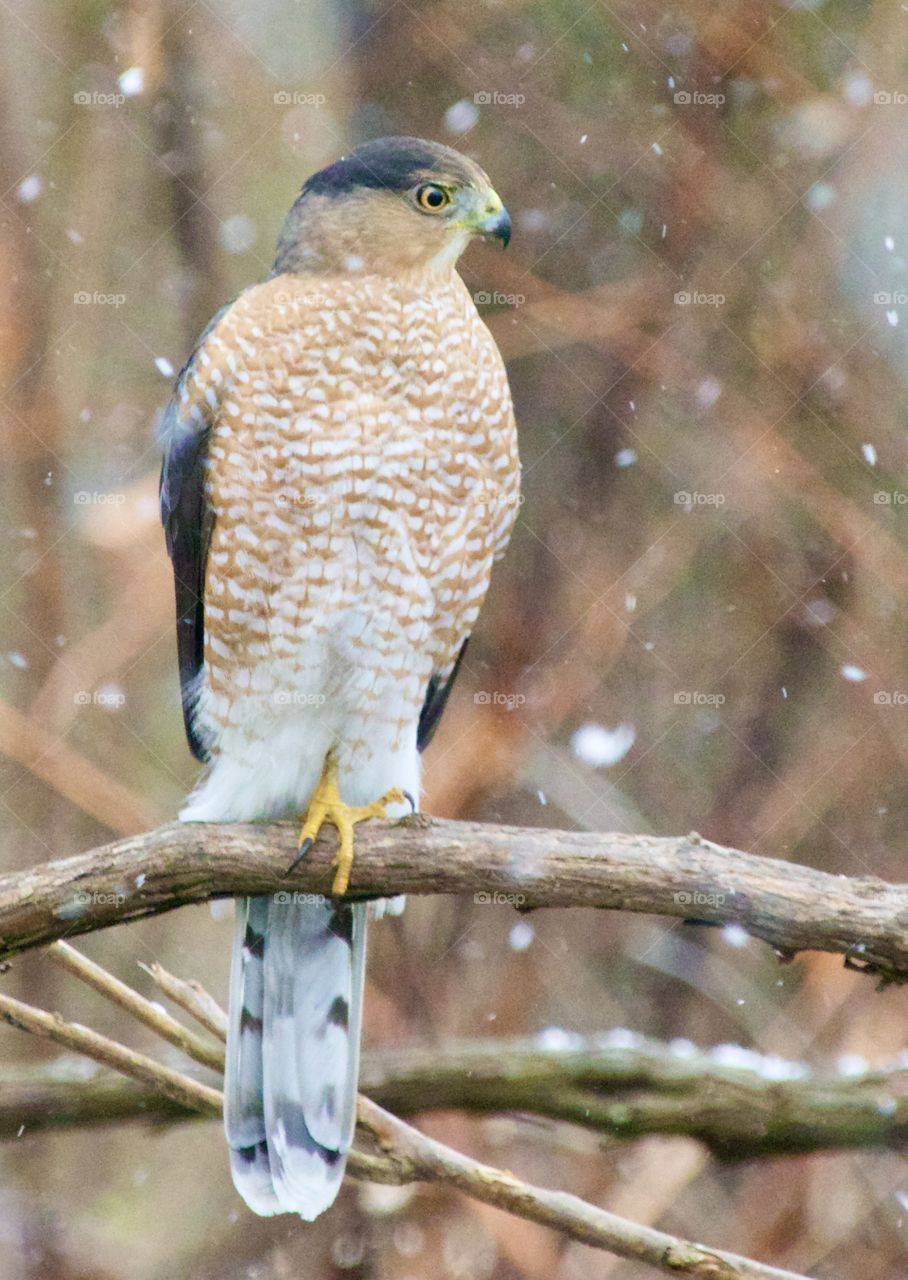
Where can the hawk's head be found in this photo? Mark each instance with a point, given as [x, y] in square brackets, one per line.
[389, 206]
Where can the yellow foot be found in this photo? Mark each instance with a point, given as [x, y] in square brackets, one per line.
[326, 805]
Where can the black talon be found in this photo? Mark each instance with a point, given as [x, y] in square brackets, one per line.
[412, 803]
[303, 850]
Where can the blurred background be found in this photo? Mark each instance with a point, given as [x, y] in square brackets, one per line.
[700, 623]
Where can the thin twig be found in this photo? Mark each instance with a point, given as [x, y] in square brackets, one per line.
[406, 1155]
[792, 907]
[176, 1086]
[417, 1157]
[192, 997]
[145, 1011]
[739, 1104]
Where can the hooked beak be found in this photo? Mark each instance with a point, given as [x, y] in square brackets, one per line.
[493, 222]
[498, 226]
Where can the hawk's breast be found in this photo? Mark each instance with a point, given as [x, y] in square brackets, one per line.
[362, 473]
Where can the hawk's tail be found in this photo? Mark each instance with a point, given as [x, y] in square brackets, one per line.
[296, 991]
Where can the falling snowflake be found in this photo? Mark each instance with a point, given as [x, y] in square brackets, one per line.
[521, 936]
[30, 188]
[600, 747]
[461, 116]
[236, 234]
[132, 82]
[735, 936]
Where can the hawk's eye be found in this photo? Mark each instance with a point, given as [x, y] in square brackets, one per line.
[432, 199]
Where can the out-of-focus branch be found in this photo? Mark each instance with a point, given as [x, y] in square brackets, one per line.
[792, 907]
[72, 774]
[183, 165]
[738, 1103]
[63, 1095]
[404, 1155]
[740, 1112]
[174, 1085]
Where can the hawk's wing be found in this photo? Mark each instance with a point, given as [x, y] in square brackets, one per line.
[186, 514]
[437, 692]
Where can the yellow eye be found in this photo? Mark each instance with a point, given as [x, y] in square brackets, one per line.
[432, 199]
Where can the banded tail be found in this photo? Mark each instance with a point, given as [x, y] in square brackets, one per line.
[296, 997]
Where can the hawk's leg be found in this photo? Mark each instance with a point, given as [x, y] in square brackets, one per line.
[326, 805]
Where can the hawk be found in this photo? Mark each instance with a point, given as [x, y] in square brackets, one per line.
[340, 474]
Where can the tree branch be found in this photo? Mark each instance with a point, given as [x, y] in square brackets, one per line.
[416, 1157]
[792, 907]
[174, 1085]
[737, 1103]
[771, 1108]
[405, 1155]
[63, 1095]
[191, 997]
[145, 1011]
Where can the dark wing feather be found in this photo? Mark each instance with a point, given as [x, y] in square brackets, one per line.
[439, 688]
[187, 527]
[188, 520]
